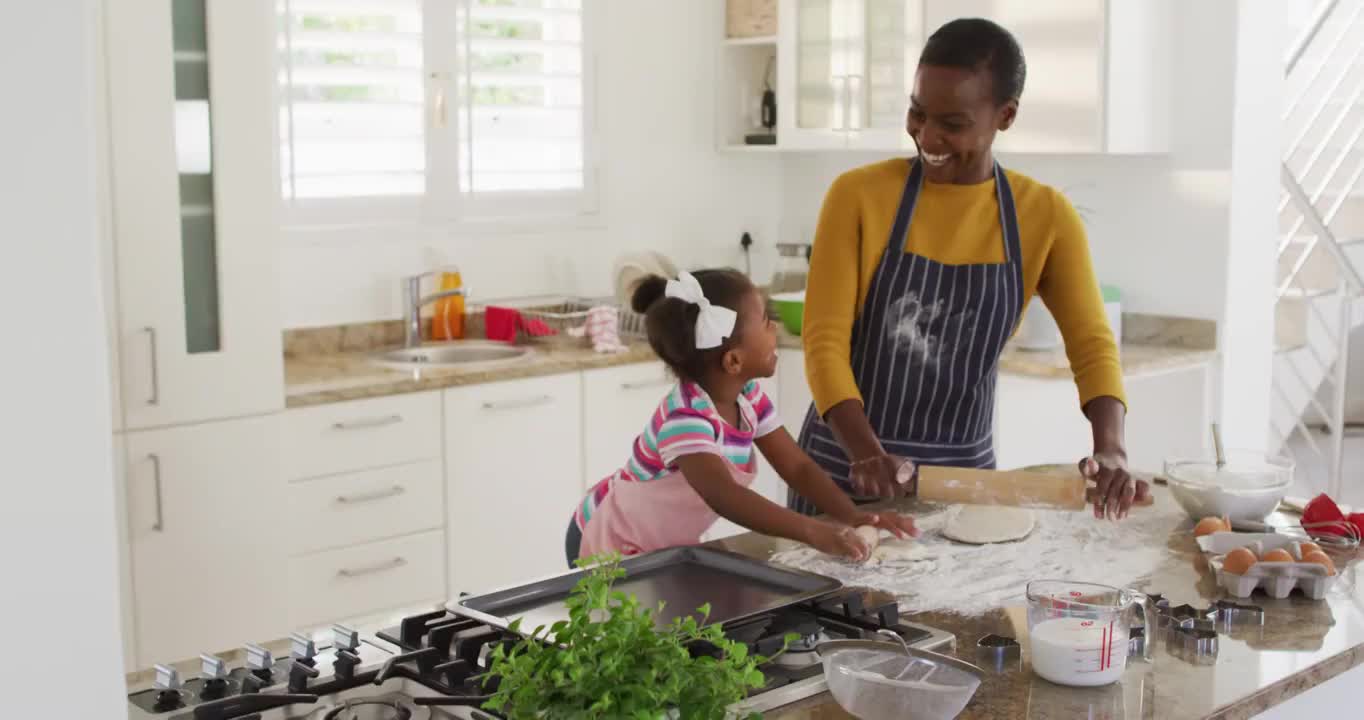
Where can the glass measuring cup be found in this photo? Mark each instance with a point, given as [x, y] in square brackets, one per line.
[1078, 631]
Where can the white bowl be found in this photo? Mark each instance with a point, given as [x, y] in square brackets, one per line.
[1248, 487]
[875, 680]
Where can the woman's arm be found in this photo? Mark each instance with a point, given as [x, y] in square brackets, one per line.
[710, 477]
[1071, 292]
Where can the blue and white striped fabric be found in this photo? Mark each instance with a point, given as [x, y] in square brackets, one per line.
[925, 350]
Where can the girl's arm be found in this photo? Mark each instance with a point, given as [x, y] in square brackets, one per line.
[809, 479]
[710, 477]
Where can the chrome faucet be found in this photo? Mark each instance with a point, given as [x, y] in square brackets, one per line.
[414, 301]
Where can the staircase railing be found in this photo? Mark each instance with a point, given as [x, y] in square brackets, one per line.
[1319, 364]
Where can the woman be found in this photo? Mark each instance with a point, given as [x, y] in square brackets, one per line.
[920, 272]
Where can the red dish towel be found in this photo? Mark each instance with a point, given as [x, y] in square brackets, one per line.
[502, 324]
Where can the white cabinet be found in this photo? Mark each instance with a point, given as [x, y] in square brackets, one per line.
[365, 579]
[845, 69]
[125, 568]
[617, 404]
[361, 434]
[205, 529]
[1097, 71]
[1039, 421]
[513, 457]
[794, 390]
[194, 179]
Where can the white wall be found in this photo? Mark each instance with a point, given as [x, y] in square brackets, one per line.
[57, 537]
[664, 187]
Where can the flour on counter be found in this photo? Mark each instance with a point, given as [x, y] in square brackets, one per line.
[936, 574]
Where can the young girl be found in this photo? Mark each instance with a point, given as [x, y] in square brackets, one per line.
[694, 461]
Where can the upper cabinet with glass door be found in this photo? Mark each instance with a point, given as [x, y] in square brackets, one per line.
[195, 196]
[844, 71]
[1098, 72]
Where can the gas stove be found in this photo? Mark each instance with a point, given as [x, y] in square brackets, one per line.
[432, 666]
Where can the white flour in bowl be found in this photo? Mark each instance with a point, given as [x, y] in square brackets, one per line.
[944, 576]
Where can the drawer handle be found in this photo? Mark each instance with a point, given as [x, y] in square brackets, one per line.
[393, 564]
[372, 496]
[367, 423]
[517, 404]
[154, 398]
[645, 384]
[160, 524]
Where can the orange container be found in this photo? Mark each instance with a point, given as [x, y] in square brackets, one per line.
[447, 322]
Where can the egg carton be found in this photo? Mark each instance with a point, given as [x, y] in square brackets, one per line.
[1278, 579]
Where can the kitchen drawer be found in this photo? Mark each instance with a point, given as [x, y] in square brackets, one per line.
[338, 584]
[358, 507]
[362, 434]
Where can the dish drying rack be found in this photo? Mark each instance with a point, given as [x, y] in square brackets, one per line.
[560, 315]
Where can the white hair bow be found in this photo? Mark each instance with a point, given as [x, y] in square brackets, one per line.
[713, 323]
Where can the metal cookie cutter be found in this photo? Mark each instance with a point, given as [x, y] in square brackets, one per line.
[1230, 615]
[997, 653]
[1191, 633]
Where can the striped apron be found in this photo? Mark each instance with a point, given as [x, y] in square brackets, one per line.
[925, 351]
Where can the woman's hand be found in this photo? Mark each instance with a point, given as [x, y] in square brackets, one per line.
[1115, 490]
[901, 526]
[836, 540]
[882, 475]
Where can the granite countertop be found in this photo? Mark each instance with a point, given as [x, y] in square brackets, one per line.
[316, 378]
[1302, 644]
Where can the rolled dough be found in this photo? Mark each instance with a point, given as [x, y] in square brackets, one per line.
[983, 524]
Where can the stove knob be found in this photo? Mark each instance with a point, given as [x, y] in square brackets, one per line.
[344, 638]
[212, 667]
[167, 678]
[302, 648]
[258, 658]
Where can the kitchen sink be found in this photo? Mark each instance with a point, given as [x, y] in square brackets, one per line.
[459, 353]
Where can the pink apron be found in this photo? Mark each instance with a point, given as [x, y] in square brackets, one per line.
[640, 517]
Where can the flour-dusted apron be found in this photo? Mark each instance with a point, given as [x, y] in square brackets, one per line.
[925, 350]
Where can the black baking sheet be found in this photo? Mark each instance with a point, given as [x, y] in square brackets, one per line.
[735, 586]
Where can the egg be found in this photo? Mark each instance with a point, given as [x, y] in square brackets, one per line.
[1238, 561]
[1307, 547]
[1209, 525]
[1321, 559]
[1279, 555]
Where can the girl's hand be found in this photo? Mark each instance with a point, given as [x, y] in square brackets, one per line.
[901, 526]
[836, 540]
[884, 475]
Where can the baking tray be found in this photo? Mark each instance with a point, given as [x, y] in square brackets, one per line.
[685, 578]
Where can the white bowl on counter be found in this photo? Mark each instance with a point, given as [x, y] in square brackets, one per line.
[1248, 487]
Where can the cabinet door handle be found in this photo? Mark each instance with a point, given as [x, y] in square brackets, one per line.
[393, 564]
[160, 524]
[367, 423]
[517, 404]
[645, 384]
[155, 397]
[358, 498]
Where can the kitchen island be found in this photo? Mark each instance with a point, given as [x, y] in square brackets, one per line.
[1302, 644]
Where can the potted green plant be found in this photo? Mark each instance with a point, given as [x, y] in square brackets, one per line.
[608, 660]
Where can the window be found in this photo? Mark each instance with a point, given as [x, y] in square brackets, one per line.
[446, 109]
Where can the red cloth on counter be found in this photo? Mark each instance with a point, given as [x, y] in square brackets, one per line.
[502, 324]
[1322, 509]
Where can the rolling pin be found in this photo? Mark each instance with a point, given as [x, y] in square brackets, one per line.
[1017, 488]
